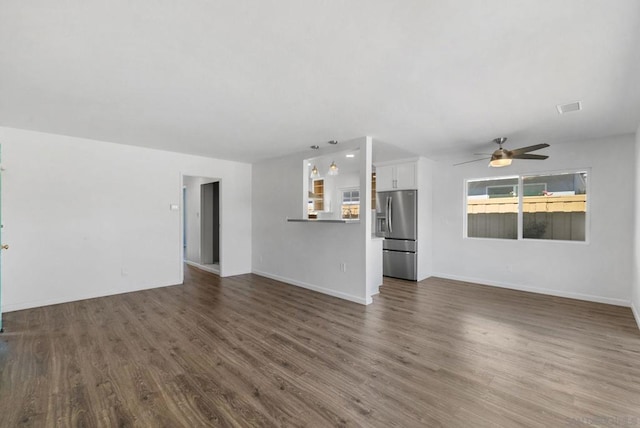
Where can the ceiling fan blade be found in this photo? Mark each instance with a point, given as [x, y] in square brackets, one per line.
[482, 154]
[475, 160]
[529, 149]
[529, 156]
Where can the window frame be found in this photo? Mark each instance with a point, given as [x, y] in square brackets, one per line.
[520, 214]
[350, 202]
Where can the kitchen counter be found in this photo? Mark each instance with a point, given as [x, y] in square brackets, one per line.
[314, 220]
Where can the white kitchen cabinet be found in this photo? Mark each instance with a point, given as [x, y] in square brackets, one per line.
[384, 178]
[406, 176]
[400, 176]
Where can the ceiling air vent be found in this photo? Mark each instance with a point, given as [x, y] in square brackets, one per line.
[568, 108]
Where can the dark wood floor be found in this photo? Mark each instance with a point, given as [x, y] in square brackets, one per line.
[249, 351]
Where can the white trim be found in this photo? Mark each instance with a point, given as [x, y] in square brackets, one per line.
[396, 162]
[489, 178]
[514, 188]
[520, 215]
[203, 267]
[636, 314]
[546, 291]
[183, 225]
[75, 298]
[313, 287]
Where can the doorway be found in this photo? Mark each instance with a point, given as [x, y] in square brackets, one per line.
[201, 227]
[4, 247]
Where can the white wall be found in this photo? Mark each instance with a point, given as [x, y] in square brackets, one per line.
[87, 218]
[599, 270]
[373, 244]
[635, 298]
[425, 218]
[306, 254]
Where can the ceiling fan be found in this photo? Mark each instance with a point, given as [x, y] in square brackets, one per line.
[503, 157]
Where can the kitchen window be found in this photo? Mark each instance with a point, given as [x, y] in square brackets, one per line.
[551, 206]
[350, 204]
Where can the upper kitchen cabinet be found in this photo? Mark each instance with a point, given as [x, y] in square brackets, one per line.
[401, 176]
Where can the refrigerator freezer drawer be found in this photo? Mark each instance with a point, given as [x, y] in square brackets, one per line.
[399, 245]
[399, 264]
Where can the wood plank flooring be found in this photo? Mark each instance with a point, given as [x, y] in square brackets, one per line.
[250, 351]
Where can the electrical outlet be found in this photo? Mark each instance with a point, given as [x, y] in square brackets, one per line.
[343, 266]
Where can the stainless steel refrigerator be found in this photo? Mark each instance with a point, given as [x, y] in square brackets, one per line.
[397, 222]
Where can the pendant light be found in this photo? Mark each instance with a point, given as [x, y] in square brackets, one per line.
[333, 169]
[314, 172]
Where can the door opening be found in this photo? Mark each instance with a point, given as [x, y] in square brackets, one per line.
[184, 223]
[201, 223]
[4, 247]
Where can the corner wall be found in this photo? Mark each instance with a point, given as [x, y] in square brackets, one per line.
[600, 270]
[425, 220]
[306, 254]
[86, 218]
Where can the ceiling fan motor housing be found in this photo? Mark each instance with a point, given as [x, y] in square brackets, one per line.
[501, 154]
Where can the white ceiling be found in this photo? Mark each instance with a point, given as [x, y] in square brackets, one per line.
[253, 79]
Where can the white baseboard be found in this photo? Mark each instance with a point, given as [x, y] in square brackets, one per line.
[547, 291]
[313, 287]
[636, 314]
[67, 299]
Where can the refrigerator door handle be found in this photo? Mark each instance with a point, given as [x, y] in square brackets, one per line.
[389, 210]
[386, 214]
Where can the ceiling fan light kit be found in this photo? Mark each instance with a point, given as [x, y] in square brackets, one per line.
[498, 163]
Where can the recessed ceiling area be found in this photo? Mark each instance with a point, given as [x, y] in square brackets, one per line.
[260, 79]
